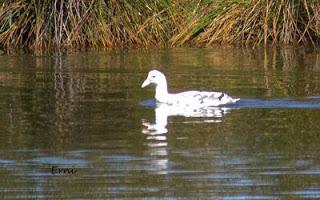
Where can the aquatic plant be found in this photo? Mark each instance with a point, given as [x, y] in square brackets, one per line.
[75, 24]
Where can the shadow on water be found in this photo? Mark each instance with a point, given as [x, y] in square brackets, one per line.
[312, 102]
[157, 130]
[242, 166]
[302, 103]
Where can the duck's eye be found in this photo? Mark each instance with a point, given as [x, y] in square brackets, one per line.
[153, 76]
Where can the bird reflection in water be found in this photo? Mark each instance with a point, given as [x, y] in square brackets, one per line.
[158, 129]
[157, 132]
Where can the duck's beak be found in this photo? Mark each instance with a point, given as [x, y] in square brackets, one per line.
[145, 83]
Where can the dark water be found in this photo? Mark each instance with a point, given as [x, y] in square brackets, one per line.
[87, 112]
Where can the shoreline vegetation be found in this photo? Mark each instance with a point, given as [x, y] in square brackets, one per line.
[39, 25]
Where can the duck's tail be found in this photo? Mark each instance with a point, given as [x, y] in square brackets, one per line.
[235, 100]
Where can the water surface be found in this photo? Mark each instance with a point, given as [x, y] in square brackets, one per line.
[87, 112]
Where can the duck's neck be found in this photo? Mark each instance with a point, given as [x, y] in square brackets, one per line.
[162, 94]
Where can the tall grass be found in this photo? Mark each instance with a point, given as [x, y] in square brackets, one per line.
[74, 24]
[254, 22]
[43, 24]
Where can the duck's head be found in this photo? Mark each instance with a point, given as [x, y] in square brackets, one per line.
[154, 77]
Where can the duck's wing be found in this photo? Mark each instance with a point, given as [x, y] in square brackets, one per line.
[207, 98]
[219, 98]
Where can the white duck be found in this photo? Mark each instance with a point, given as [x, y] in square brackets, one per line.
[188, 98]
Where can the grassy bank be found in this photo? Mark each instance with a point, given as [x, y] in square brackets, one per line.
[76, 24]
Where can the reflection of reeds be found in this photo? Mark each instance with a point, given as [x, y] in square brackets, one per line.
[109, 24]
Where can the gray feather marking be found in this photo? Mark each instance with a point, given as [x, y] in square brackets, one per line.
[221, 96]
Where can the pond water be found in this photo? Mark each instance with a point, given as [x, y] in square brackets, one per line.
[86, 113]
